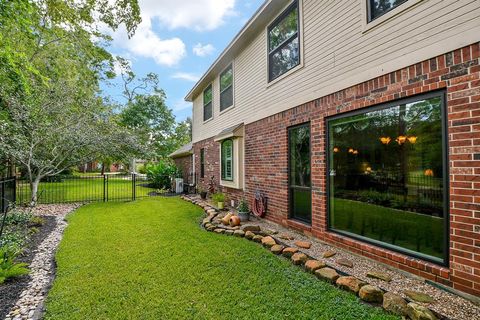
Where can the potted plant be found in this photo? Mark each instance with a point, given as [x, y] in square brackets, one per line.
[202, 192]
[219, 199]
[243, 210]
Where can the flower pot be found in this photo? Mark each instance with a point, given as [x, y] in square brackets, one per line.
[234, 221]
[244, 216]
[226, 219]
[203, 195]
[220, 205]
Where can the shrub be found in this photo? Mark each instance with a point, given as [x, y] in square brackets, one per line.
[161, 174]
[8, 268]
[243, 206]
[15, 217]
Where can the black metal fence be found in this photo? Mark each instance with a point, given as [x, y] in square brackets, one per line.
[7, 192]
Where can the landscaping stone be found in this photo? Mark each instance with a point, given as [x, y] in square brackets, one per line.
[299, 258]
[239, 233]
[395, 304]
[379, 275]
[219, 230]
[258, 238]
[277, 249]
[418, 296]
[303, 244]
[286, 236]
[268, 242]
[371, 293]
[350, 283]
[419, 312]
[251, 228]
[313, 265]
[229, 232]
[328, 254]
[249, 235]
[345, 263]
[289, 252]
[327, 274]
[211, 228]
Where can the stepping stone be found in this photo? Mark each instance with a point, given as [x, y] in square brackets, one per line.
[327, 274]
[285, 236]
[379, 275]
[329, 253]
[251, 228]
[395, 304]
[418, 296]
[229, 232]
[419, 312]
[239, 233]
[249, 235]
[289, 252]
[371, 293]
[351, 284]
[270, 232]
[219, 231]
[303, 244]
[257, 238]
[313, 265]
[277, 249]
[268, 242]
[299, 258]
[345, 263]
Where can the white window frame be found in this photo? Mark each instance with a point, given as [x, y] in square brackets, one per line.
[369, 25]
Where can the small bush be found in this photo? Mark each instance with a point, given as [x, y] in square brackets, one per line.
[18, 218]
[8, 268]
[161, 174]
[218, 197]
[243, 206]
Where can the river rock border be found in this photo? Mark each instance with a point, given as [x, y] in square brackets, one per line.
[30, 305]
[368, 293]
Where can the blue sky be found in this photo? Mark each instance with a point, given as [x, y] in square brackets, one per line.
[179, 40]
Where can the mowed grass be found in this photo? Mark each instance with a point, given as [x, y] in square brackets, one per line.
[87, 188]
[151, 260]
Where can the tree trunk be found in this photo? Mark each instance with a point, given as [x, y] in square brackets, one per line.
[34, 190]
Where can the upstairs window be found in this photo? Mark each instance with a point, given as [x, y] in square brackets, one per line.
[377, 8]
[207, 103]
[227, 160]
[226, 88]
[283, 43]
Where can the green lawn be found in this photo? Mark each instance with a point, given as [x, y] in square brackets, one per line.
[151, 260]
[86, 188]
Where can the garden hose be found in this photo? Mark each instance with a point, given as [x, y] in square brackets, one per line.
[259, 205]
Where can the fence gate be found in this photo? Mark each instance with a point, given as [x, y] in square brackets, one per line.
[7, 192]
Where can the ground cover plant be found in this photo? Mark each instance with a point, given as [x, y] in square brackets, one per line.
[150, 259]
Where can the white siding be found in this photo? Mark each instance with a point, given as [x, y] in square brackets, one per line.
[339, 53]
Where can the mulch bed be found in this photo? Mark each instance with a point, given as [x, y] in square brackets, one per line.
[10, 291]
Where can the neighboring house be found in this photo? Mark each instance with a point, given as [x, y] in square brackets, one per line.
[183, 158]
[360, 121]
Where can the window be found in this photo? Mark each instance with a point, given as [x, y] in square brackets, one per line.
[387, 176]
[300, 193]
[226, 88]
[227, 160]
[377, 8]
[283, 43]
[202, 163]
[207, 103]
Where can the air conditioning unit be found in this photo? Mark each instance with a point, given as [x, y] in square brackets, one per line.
[178, 185]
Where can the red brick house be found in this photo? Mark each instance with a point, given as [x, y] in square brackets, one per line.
[183, 158]
[360, 121]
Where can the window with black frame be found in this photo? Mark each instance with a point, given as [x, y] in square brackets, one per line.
[377, 8]
[227, 160]
[300, 192]
[284, 42]
[202, 163]
[387, 176]
[226, 88]
[207, 103]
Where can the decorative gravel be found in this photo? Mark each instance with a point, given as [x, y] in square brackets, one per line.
[42, 268]
[445, 303]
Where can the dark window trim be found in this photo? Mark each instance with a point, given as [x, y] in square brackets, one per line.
[222, 108]
[202, 163]
[370, 18]
[290, 207]
[446, 179]
[223, 174]
[285, 13]
[209, 87]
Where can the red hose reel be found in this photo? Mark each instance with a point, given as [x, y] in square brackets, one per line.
[259, 204]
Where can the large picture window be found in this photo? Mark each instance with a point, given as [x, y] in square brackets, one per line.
[377, 8]
[227, 160]
[387, 176]
[207, 103]
[283, 43]
[300, 192]
[226, 88]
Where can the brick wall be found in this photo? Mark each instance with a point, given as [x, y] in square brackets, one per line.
[185, 165]
[266, 160]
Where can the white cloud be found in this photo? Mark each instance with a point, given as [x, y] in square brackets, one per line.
[203, 50]
[186, 76]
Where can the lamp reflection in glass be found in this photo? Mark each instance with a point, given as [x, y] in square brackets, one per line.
[401, 140]
[385, 140]
[355, 152]
[350, 150]
[412, 139]
[336, 149]
[428, 173]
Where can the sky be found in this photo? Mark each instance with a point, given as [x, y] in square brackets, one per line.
[179, 40]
